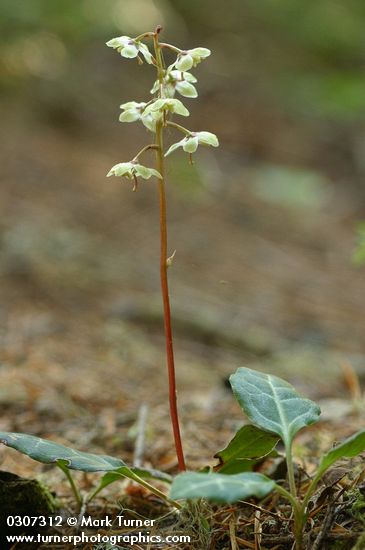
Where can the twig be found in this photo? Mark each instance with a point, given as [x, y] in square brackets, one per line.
[327, 522]
[329, 517]
[232, 533]
[258, 530]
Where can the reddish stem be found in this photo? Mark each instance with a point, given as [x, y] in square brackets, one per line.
[164, 280]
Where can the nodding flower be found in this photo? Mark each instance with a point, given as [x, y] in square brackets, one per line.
[179, 81]
[191, 142]
[167, 104]
[190, 58]
[132, 170]
[130, 48]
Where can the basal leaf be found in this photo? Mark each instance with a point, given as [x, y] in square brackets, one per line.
[220, 488]
[151, 473]
[112, 477]
[272, 403]
[49, 452]
[236, 466]
[249, 442]
[352, 446]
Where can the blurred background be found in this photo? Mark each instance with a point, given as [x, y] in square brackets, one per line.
[266, 272]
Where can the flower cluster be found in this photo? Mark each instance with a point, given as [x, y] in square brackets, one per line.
[175, 78]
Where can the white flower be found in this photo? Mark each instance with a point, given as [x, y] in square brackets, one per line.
[150, 119]
[190, 142]
[132, 111]
[132, 169]
[179, 81]
[172, 105]
[130, 48]
[190, 58]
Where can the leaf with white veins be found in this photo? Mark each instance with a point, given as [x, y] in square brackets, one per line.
[273, 404]
[221, 488]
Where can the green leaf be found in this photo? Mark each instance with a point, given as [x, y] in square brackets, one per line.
[352, 446]
[236, 466]
[151, 473]
[273, 404]
[249, 442]
[144, 473]
[49, 452]
[219, 487]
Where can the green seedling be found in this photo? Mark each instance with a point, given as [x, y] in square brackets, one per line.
[156, 115]
[277, 411]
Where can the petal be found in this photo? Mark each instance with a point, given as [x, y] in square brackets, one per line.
[200, 53]
[145, 52]
[130, 115]
[131, 105]
[189, 77]
[119, 42]
[169, 90]
[156, 105]
[167, 104]
[155, 173]
[191, 144]
[130, 51]
[186, 89]
[207, 138]
[149, 121]
[174, 147]
[177, 107]
[145, 172]
[120, 169]
[184, 62]
[180, 75]
[155, 87]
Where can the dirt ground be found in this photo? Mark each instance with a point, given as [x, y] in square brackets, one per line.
[254, 283]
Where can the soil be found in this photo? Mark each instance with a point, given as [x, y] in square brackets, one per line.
[254, 283]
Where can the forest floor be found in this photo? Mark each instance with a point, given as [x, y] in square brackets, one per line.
[255, 283]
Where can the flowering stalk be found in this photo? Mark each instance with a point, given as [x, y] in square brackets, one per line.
[164, 266]
[155, 116]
